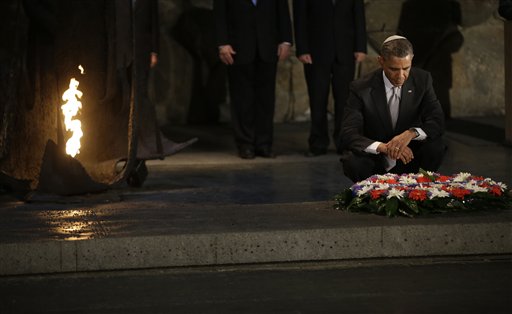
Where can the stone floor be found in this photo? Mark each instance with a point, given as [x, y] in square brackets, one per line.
[207, 206]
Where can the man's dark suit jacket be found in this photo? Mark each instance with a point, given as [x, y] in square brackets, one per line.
[432, 28]
[367, 119]
[146, 25]
[252, 30]
[328, 32]
[146, 30]
[505, 9]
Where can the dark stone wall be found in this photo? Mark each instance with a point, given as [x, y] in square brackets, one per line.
[39, 62]
[481, 55]
[188, 85]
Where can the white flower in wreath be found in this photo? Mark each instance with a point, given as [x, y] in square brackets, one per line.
[438, 193]
[475, 188]
[383, 186]
[463, 176]
[365, 189]
[438, 186]
[407, 180]
[431, 173]
[395, 193]
[365, 183]
[385, 177]
[502, 185]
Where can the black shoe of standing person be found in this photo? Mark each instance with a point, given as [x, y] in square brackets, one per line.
[265, 153]
[246, 153]
[315, 152]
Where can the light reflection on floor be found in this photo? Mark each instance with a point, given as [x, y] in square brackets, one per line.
[74, 224]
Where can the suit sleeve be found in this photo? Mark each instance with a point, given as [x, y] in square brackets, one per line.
[505, 9]
[353, 123]
[155, 27]
[221, 24]
[300, 20]
[285, 25]
[432, 117]
[41, 15]
[360, 26]
[456, 13]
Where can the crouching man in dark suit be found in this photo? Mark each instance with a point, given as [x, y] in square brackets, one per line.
[393, 121]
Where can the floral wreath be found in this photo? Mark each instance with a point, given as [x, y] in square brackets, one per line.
[424, 192]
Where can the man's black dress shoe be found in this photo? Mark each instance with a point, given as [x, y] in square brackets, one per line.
[315, 153]
[246, 153]
[265, 153]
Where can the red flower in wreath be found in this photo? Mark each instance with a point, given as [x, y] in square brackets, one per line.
[496, 190]
[423, 179]
[418, 195]
[460, 192]
[443, 178]
[375, 194]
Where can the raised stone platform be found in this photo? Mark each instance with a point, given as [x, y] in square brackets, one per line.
[158, 235]
[205, 206]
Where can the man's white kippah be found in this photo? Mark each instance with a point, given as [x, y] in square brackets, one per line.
[394, 37]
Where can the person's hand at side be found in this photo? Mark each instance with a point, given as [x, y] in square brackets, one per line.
[306, 58]
[283, 51]
[226, 53]
[359, 56]
[153, 60]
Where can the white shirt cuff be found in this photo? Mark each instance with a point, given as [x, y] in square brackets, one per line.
[422, 135]
[372, 149]
[390, 163]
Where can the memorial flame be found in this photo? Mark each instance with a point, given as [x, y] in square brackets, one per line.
[70, 109]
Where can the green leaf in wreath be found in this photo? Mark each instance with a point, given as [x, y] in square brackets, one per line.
[405, 213]
[440, 202]
[425, 174]
[373, 206]
[344, 198]
[391, 207]
[455, 204]
[411, 204]
[356, 204]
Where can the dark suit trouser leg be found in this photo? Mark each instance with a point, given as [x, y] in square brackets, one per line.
[242, 95]
[252, 91]
[265, 91]
[343, 74]
[318, 78]
[360, 166]
[428, 155]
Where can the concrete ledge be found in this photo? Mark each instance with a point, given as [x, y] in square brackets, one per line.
[255, 247]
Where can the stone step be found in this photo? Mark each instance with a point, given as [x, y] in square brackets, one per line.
[349, 236]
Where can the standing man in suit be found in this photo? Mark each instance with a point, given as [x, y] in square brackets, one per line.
[252, 35]
[330, 36]
[41, 42]
[433, 28]
[393, 121]
[133, 39]
[147, 35]
[142, 15]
